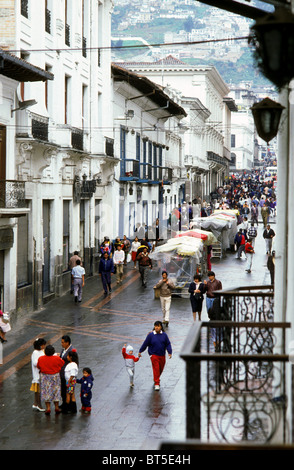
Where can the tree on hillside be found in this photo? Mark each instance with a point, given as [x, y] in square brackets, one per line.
[189, 24]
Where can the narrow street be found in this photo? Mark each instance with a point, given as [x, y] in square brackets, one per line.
[121, 418]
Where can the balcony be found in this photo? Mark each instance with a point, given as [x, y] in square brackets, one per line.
[236, 393]
[109, 147]
[142, 172]
[130, 170]
[12, 199]
[77, 139]
[40, 128]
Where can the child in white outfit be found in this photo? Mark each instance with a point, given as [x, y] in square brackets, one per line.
[70, 375]
[130, 359]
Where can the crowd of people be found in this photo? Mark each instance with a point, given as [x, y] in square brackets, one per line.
[55, 375]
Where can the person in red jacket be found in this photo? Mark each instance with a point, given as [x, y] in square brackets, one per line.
[50, 366]
[130, 359]
[249, 251]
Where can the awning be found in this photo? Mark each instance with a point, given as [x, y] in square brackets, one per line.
[20, 70]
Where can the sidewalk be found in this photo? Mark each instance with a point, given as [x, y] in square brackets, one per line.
[121, 418]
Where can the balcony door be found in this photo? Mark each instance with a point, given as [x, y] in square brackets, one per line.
[46, 246]
[2, 153]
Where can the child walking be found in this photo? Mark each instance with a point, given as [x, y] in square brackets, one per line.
[130, 359]
[39, 346]
[70, 375]
[86, 389]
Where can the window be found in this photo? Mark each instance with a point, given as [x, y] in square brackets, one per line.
[138, 146]
[24, 8]
[84, 106]
[48, 90]
[2, 153]
[233, 140]
[123, 150]
[67, 27]
[84, 27]
[47, 18]
[65, 235]
[66, 99]
[23, 265]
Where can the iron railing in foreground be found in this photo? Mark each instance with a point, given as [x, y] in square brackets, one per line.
[235, 372]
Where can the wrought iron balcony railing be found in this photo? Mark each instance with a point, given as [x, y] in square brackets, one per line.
[40, 129]
[130, 169]
[77, 139]
[12, 194]
[235, 388]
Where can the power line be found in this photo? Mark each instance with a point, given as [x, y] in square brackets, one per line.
[132, 46]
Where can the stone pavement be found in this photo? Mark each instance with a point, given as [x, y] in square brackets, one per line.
[121, 418]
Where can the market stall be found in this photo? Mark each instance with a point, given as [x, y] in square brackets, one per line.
[183, 256]
[222, 224]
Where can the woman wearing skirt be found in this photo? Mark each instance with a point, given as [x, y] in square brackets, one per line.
[50, 365]
[196, 290]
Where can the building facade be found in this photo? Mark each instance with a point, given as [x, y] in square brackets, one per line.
[14, 213]
[148, 181]
[64, 142]
[206, 85]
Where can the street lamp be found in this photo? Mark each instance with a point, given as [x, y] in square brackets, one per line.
[266, 115]
[273, 39]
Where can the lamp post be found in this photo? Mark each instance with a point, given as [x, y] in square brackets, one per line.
[267, 115]
[273, 40]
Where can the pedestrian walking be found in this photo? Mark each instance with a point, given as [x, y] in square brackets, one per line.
[72, 263]
[78, 278]
[126, 248]
[196, 291]
[50, 366]
[252, 233]
[70, 375]
[268, 235]
[130, 360]
[271, 266]
[240, 243]
[265, 214]
[87, 382]
[145, 264]
[39, 346]
[118, 260]
[165, 287]
[254, 213]
[134, 247]
[249, 251]
[106, 269]
[158, 344]
[211, 286]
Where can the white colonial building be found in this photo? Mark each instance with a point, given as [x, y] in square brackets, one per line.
[14, 213]
[209, 155]
[151, 173]
[63, 143]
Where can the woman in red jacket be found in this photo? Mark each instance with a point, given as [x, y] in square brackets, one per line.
[50, 365]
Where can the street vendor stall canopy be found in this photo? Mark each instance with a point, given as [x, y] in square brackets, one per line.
[222, 224]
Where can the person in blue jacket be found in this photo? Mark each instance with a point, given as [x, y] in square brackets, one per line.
[106, 269]
[86, 389]
[157, 343]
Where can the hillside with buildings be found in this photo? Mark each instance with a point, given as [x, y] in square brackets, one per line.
[188, 30]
